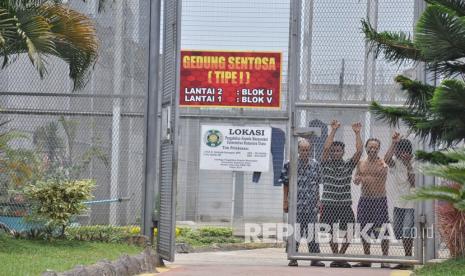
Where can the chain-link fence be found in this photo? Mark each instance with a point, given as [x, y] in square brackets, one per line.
[95, 133]
[361, 173]
[336, 79]
[227, 198]
[351, 180]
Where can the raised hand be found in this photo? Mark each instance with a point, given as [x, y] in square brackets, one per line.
[335, 124]
[396, 137]
[356, 127]
[406, 159]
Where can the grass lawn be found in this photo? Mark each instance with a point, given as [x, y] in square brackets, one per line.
[27, 257]
[451, 267]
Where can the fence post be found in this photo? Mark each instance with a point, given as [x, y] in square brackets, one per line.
[151, 139]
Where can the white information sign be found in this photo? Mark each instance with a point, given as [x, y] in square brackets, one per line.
[235, 148]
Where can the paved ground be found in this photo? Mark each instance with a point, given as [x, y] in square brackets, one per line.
[269, 262]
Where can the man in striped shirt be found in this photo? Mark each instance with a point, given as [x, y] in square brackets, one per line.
[336, 177]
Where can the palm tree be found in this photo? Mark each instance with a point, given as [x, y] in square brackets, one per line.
[435, 114]
[451, 209]
[45, 28]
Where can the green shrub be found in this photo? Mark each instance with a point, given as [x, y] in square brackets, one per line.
[215, 231]
[101, 233]
[206, 236]
[56, 201]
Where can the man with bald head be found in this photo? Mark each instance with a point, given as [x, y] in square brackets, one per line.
[308, 179]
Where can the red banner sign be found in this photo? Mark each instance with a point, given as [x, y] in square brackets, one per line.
[230, 79]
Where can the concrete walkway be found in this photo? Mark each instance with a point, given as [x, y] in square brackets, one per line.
[258, 262]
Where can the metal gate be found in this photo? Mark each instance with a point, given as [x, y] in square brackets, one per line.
[346, 168]
[168, 130]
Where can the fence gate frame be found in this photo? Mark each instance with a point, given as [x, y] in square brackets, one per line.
[423, 217]
[168, 130]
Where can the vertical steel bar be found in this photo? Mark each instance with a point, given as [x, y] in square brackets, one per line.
[151, 139]
[294, 87]
[116, 122]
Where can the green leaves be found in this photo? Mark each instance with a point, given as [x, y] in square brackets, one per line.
[418, 93]
[435, 157]
[449, 100]
[458, 6]
[396, 47]
[393, 115]
[454, 172]
[57, 200]
[440, 34]
[37, 38]
[75, 40]
[42, 29]
[7, 27]
[436, 192]
[434, 114]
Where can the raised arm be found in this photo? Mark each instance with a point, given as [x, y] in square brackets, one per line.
[335, 124]
[357, 127]
[390, 152]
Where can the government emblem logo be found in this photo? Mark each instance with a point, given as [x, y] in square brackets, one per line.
[213, 138]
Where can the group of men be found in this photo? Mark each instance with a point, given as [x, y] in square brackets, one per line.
[334, 206]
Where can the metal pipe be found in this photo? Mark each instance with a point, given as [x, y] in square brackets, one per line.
[66, 113]
[233, 196]
[293, 90]
[341, 105]
[102, 201]
[234, 117]
[71, 95]
[151, 135]
[328, 257]
[116, 117]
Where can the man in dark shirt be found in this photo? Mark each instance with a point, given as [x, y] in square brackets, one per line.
[336, 177]
[308, 179]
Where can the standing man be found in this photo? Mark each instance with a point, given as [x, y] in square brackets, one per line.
[399, 159]
[308, 179]
[372, 208]
[336, 178]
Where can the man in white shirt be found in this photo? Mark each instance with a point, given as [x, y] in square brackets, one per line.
[399, 159]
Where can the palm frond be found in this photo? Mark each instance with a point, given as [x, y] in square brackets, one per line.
[449, 99]
[458, 6]
[440, 34]
[35, 35]
[447, 69]
[9, 136]
[42, 29]
[452, 171]
[436, 130]
[435, 157]
[455, 154]
[418, 94]
[392, 115]
[445, 193]
[460, 205]
[48, 140]
[396, 47]
[7, 26]
[75, 39]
